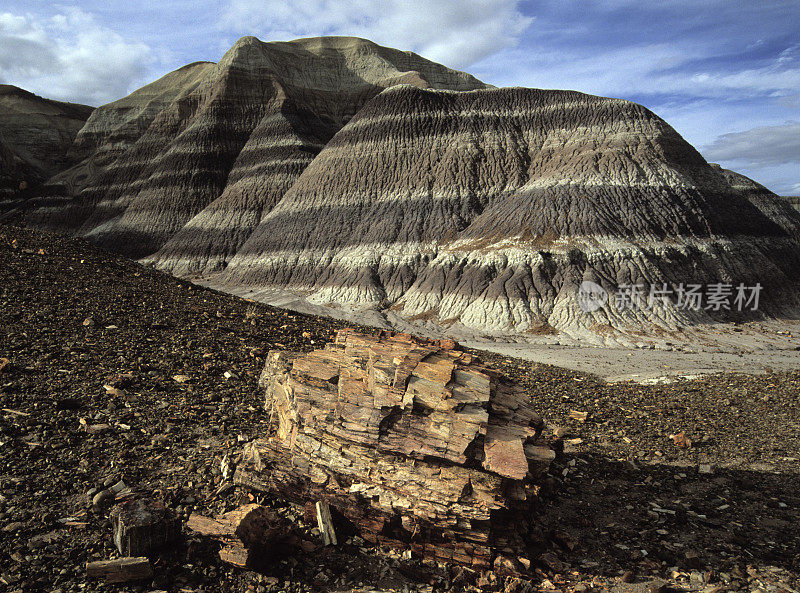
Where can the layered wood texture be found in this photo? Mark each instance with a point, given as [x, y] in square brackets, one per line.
[414, 442]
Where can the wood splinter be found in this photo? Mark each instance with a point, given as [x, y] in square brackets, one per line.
[120, 570]
[325, 523]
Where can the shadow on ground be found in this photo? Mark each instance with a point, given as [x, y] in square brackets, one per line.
[653, 519]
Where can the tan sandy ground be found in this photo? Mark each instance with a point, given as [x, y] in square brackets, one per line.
[753, 348]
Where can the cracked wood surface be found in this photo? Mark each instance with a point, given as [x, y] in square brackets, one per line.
[412, 441]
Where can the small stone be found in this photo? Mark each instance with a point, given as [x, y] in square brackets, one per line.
[628, 576]
[551, 562]
[159, 439]
[504, 565]
[103, 498]
[181, 378]
[41, 540]
[692, 559]
[658, 587]
[111, 479]
[579, 416]
[321, 579]
[706, 468]
[681, 440]
[525, 562]
[114, 391]
[16, 526]
[564, 539]
[696, 579]
[118, 487]
[97, 428]
[517, 585]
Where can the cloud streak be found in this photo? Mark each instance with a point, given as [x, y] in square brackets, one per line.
[763, 146]
[698, 65]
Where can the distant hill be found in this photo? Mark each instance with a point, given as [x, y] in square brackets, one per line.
[793, 200]
[36, 137]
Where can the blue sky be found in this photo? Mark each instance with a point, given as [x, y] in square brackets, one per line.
[725, 74]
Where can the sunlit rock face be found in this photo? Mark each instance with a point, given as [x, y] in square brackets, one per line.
[371, 179]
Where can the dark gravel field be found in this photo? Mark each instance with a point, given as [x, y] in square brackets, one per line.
[113, 372]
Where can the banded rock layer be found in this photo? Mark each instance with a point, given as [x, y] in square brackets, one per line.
[367, 178]
[489, 208]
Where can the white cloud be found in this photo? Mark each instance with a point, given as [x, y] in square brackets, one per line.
[69, 56]
[759, 147]
[454, 33]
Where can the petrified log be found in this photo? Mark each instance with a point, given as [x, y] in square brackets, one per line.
[120, 570]
[248, 534]
[413, 441]
[143, 525]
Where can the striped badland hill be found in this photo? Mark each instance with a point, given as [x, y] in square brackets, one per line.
[366, 178]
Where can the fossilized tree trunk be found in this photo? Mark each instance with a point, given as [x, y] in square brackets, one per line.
[413, 441]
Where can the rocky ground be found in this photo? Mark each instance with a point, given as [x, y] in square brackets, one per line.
[688, 485]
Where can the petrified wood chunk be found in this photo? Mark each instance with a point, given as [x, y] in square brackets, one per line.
[413, 441]
[120, 570]
[325, 523]
[248, 534]
[142, 525]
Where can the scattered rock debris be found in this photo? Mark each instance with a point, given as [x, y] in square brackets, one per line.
[617, 499]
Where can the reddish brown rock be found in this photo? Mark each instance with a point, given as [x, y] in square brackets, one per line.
[249, 534]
